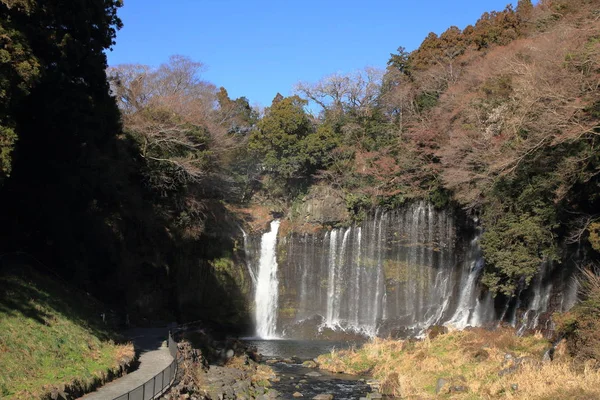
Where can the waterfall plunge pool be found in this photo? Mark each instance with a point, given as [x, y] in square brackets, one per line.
[301, 349]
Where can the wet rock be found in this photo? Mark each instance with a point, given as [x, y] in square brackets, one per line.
[458, 389]
[313, 374]
[323, 397]
[528, 361]
[309, 364]
[372, 396]
[272, 361]
[374, 384]
[439, 386]
[516, 364]
[298, 394]
[435, 331]
[548, 355]
[254, 354]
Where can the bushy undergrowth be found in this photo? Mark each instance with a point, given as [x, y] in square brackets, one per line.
[473, 364]
[47, 340]
[581, 325]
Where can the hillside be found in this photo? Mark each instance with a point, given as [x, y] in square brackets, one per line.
[52, 338]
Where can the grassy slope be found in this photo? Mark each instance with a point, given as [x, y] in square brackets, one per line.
[46, 338]
[473, 360]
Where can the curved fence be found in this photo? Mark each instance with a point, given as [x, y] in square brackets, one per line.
[156, 386]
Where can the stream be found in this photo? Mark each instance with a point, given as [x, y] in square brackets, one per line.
[293, 377]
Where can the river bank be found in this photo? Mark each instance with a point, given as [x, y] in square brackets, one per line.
[470, 364]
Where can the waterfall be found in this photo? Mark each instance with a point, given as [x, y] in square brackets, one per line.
[397, 273]
[397, 270]
[267, 286]
[248, 257]
[470, 311]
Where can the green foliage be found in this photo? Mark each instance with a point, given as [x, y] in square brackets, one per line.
[8, 139]
[358, 205]
[317, 146]
[440, 197]
[515, 246]
[427, 100]
[400, 61]
[289, 146]
[279, 138]
[19, 71]
[393, 202]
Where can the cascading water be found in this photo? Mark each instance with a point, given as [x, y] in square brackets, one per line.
[397, 269]
[267, 286]
[469, 310]
[398, 272]
[249, 265]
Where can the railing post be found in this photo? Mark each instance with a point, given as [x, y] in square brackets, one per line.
[154, 386]
[144, 391]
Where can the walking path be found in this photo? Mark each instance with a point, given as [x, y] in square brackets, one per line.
[151, 345]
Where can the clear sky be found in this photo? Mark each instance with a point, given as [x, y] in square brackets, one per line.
[256, 48]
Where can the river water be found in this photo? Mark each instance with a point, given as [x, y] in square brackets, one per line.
[302, 349]
[293, 376]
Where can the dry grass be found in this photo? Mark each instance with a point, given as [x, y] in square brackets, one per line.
[471, 359]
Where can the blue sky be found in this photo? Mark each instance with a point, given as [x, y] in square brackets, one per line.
[258, 48]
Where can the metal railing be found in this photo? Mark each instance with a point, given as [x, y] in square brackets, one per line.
[156, 386]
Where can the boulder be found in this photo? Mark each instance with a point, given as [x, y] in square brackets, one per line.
[439, 386]
[323, 397]
[458, 389]
[298, 394]
[435, 331]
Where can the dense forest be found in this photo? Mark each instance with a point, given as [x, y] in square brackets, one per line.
[127, 180]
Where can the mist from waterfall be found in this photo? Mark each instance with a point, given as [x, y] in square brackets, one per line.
[267, 285]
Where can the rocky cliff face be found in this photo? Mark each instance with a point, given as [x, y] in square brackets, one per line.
[323, 205]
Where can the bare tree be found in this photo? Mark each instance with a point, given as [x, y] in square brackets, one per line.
[356, 92]
[172, 113]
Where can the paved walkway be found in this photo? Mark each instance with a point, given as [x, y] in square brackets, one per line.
[151, 345]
